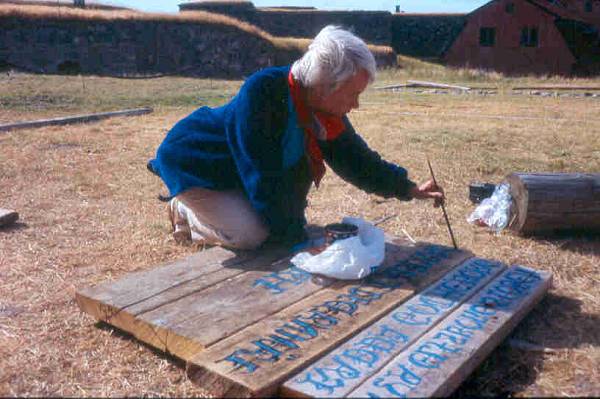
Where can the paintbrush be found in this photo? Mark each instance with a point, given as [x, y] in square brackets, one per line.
[443, 207]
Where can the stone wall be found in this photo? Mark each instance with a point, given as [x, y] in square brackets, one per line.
[425, 36]
[372, 26]
[128, 47]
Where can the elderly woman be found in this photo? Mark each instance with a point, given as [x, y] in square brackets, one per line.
[239, 174]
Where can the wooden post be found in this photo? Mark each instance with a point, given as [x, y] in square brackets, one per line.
[74, 119]
[548, 202]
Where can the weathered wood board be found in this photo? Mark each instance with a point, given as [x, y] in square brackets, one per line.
[184, 307]
[123, 303]
[252, 324]
[350, 364]
[73, 119]
[438, 362]
[255, 361]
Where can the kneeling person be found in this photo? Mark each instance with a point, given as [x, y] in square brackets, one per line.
[239, 174]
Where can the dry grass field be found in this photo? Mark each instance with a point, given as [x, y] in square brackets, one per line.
[89, 214]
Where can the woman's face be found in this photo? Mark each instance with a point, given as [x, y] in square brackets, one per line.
[343, 99]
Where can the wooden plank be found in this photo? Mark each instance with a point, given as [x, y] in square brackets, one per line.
[438, 362]
[186, 326]
[390, 87]
[258, 359]
[8, 217]
[124, 303]
[350, 364]
[74, 119]
[437, 85]
[556, 88]
[103, 300]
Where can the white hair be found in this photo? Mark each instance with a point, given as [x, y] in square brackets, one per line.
[334, 56]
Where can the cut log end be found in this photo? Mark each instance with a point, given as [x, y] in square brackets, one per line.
[552, 202]
[8, 217]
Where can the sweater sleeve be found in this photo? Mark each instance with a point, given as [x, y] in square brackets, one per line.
[255, 135]
[351, 158]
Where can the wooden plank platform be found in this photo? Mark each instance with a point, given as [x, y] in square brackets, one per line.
[350, 364]
[246, 322]
[258, 359]
[439, 361]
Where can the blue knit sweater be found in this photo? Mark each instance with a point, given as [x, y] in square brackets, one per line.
[255, 144]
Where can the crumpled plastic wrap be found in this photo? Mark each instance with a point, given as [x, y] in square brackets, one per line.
[348, 259]
[494, 211]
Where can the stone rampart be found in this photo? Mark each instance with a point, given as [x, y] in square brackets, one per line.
[133, 47]
[129, 47]
[372, 26]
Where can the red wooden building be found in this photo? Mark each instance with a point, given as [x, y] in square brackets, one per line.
[531, 36]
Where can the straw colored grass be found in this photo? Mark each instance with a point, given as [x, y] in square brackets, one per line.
[89, 214]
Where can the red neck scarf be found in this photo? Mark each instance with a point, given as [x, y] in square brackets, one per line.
[333, 125]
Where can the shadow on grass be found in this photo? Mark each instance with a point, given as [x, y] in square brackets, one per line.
[557, 323]
[579, 241]
[16, 226]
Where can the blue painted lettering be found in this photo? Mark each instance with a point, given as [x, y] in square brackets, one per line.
[458, 340]
[361, 356]
[424, 358]
[300, 327]
[468, 324]
[239, 362]
[411, 319]
[402, 377]
[329, 378]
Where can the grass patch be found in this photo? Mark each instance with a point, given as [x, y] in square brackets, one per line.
[89, 214]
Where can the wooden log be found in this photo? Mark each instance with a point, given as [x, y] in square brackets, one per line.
[256, 360]
[73, 119]
[575, 88]
[420, 83]
[8, 217]
[437, 363]
[550, 202]
[346, 367]
[390, 87]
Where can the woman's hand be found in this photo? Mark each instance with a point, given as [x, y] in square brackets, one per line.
[429, 190]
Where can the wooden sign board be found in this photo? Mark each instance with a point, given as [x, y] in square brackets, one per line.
[250, 323]
[439, 361]
[350, 364]
[256, 360]
[187, 306]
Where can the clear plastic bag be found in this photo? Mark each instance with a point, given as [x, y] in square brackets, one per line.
[495, 210]
[348, 259]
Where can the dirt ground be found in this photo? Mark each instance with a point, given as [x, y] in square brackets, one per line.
[89, 214]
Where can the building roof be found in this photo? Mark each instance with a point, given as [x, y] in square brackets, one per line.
[566, 9]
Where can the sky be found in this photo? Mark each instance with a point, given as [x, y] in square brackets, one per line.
[446, 6]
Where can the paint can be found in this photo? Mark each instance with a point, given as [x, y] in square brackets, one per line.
[339, 231]
[333, 233]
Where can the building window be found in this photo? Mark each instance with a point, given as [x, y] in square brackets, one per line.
[529, 37]
[510, 8]
[588, 6]
[487, 37]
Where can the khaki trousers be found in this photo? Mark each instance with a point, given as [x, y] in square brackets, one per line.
[223, 218]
